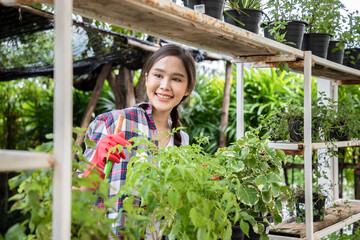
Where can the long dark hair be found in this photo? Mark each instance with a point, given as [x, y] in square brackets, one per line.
[189, 64]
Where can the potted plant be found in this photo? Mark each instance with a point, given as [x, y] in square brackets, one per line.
[321, 16]
[253, 172]
[245, 14]
[212, 8]
[352, 36]
[340, 120]
[283, 25]
[195, 194]
[181, 191]
[296, 203]
[287, 123]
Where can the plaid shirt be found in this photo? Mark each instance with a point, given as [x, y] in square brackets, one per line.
[138, 117]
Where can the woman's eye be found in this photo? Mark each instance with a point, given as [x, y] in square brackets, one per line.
[177, 79]
[157, 75]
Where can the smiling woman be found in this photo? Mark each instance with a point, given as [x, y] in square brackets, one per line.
[170, 78]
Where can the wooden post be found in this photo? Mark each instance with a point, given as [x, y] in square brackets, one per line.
[140, 89]
[225, 105]
[106, 69]
[123, 88]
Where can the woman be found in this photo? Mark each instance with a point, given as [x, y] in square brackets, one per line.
[170, 77]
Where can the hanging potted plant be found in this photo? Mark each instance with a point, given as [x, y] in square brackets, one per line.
[283, 25]
[213, 8]
[352, 37]
[245, 14]
[320, 16]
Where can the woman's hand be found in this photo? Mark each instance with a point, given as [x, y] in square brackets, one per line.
[103, 147]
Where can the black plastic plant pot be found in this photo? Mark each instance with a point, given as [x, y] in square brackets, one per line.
[294, 32]
[335, 53]
[318, 207]
[295, 126]
[352, 58]
[249, 17]
[317, 43]
[213, 8]
[238, 234]
[338, 134]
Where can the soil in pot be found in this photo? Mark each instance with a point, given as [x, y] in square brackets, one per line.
[317, 43]
[318, 207]
[294, 32]
[237, 234]
[213, 8]
[352, 58]
[335, 53]
[248, 16]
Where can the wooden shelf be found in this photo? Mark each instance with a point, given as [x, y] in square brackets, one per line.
[11, 160]
[168, 20]
[337, 218]
[292, 148]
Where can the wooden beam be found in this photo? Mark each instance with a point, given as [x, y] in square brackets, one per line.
[106, 69]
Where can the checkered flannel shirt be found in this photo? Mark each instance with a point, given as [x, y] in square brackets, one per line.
[137, 117]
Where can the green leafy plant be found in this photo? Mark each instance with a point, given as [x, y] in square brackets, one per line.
[253, 171]
[238, 4]
[198, 195]
[281, 10]
[35, 200]
[322, 16]
[178, 188]
[287, 122]
[320, 192]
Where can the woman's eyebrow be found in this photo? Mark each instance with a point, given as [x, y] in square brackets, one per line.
[162, 70]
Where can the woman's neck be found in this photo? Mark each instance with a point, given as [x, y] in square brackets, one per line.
[162, 127]
[161, 120]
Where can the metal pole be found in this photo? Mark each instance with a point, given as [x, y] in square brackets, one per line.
[240, 125]
[308, 147]
[63, 104]
[334, 163]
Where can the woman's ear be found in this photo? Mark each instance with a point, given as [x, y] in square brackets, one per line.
[187, 93]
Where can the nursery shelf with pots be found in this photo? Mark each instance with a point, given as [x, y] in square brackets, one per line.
[165, 19]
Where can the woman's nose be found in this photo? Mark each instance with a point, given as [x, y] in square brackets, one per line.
[165, 83]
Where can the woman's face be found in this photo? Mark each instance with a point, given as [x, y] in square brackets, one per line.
[166, 84]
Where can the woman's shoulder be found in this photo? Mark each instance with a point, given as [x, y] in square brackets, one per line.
[184, 138]
[130, 111]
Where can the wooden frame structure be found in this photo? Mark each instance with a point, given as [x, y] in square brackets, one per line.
[165, 19]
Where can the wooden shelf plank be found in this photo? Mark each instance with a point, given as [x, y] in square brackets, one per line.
[337, 218]
[292, 148]
[11, 160]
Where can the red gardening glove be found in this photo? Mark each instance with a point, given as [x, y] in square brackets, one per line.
[103, 147]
